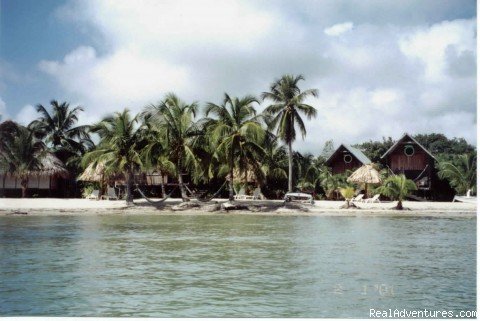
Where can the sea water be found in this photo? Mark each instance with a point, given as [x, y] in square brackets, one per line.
[234, 265]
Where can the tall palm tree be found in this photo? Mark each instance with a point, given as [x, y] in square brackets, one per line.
[237, 130]
[154, 153]
[461, 172]
[275, 161]
[22, 153]
[397, 187]
[287, 108]
[117, 148]
[175, 121]
[59, 130]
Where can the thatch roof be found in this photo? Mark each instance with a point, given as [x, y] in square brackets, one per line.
[93, 173]
[237, 176]
[365, 174]
[52, 166]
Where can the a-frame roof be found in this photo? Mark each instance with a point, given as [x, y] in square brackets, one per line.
[362, 158]
[406, 135]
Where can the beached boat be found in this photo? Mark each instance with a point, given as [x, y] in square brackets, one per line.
[465, 199]
[299, 198]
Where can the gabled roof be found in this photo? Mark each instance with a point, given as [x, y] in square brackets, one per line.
[354, 151]
[400, 140]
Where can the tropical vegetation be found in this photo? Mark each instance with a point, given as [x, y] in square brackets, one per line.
[201, 146]
[397, 187]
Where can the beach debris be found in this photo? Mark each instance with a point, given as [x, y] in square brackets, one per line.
[185, 206]
[228, 206]
[211, 207]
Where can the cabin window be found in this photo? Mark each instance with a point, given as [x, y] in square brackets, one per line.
[409, 150]
[347, 158]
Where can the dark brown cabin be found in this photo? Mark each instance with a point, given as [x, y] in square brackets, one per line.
[407, 156]
[346, 158]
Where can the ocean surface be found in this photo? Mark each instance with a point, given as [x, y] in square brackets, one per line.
[234, 265]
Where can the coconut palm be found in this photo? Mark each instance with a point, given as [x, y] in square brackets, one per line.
[59, 130]
[22, 153]
[461, 173]
[175, 121]
[397, 187]
[287, 109]
[118, 148]
[237, 130]
[274, 161]
[155, 152]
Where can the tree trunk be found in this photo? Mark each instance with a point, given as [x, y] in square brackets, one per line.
[230, 185]
[24, 184]
[399, 205]
[290, 167]
[183, 191]
[162, 185]
[3, 185]
[129, 197]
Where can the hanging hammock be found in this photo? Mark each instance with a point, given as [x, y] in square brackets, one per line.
[154, 202]
[204, 199]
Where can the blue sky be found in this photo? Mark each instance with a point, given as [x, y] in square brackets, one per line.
[382, 67]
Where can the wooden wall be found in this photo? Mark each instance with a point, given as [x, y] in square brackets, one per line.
[339, 166]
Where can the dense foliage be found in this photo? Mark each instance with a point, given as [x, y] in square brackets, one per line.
[206, 145]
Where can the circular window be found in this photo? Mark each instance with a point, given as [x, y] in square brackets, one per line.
[347, 158]
[409, 150]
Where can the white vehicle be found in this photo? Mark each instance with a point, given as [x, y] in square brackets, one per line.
[299, 198]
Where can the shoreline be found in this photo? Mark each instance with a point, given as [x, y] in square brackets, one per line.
[73, 207]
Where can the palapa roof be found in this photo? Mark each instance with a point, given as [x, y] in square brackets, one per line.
[93, 173]
[51, 165]
[413, 140]
[365, 174]
[357, 153]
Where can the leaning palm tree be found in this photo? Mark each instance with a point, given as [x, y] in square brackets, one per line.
[397, 187]
[117, 149]
[287, 108]
[461, 173]
[237, 131]
[59, 131]
[175, 121]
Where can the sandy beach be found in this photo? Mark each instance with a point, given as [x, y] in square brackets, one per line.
[53, 206]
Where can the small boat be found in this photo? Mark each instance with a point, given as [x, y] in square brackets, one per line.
[465, 199]
[299, 198]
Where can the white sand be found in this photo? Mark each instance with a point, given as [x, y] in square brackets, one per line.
[54, 206]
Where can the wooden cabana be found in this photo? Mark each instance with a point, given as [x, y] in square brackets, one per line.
[346, 157]
[407, 156]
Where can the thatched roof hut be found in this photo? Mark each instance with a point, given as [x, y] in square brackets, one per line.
[237, 176]
[366, 174]
[52, 166]
[93, 173]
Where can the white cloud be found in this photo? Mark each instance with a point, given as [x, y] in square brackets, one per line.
[3, 110]
[338, 29]
[26, 115]
[375, 80]
[429, 45]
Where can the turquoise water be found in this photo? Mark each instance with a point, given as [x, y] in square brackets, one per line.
[234, 265]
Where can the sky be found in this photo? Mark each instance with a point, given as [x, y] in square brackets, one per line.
[382, 67]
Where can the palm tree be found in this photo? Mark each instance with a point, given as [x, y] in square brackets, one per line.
[275, 161]
[59, 130]
[22, 153]
[397, 187]
[117, 149]
[287, 110]
[175, 122]
[237, 131]
[461, 173]
[155, 152]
